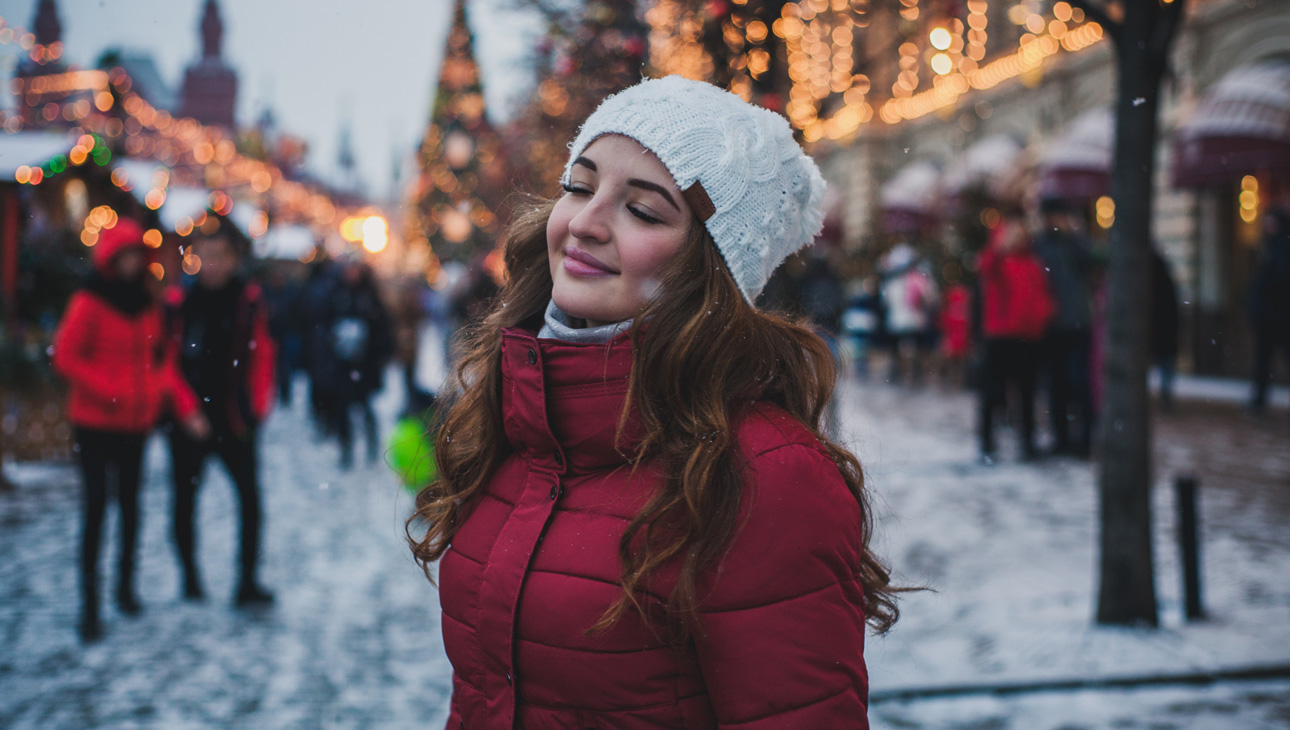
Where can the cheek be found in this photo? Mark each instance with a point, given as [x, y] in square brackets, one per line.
[557, 225]
[650, 255]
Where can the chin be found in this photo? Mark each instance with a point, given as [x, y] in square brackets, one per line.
[589, 305]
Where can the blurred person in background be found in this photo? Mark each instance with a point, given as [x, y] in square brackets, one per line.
[220, 328]
[1016, 310]
[358, 345]
[1270, 304]
[862, 320]
[282, 296]
[822, 300]
[909, 296]
[1164, 326]
[407, 317]
[955, 323]
[315, 346]
[110, 347]
[1069, 260]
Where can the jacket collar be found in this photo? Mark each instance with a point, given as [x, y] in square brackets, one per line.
[561, 401]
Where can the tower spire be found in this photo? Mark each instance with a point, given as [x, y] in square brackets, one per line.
[49, 29]
[212, 30]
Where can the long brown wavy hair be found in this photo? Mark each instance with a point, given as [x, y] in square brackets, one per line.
[704, 357]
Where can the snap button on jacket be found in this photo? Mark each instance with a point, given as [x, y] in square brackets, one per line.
[781, 629]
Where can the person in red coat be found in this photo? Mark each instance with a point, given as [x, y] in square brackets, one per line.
[1016, 309]
[109, 347]
[219, 329]
[640, 520]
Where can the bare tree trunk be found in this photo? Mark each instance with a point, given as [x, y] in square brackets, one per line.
[1127, 592]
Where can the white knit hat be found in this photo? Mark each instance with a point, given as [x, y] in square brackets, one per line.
[737, 165]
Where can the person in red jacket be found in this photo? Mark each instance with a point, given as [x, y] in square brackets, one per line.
[220, 330]
[1016, 309]
[640, 519]
[109, 347]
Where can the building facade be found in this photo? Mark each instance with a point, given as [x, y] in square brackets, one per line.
[1224, 134]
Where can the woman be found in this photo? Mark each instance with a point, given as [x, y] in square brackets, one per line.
[109, 347]
[639, 450]
[1016, 309]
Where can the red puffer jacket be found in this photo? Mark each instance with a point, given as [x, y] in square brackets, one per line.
[781, 638]
[120, 370]
[1016, 302]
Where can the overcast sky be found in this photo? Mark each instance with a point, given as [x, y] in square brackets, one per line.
[318, 64]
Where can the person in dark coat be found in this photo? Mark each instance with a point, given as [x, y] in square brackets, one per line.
[359, 344]
[1164, 326]
[110, 348]
[1270, 304]
[282, 296]
[1067, 348]
[321, 281]
[640, 519]
[220, 329]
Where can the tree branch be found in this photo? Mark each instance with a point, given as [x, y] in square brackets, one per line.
[1166, 29]
[1098, 14]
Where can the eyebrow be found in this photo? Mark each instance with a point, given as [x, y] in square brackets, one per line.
[635, 182]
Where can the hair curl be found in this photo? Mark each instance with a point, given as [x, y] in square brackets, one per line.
[705, 356]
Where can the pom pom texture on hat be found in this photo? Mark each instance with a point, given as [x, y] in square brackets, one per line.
[767, 193]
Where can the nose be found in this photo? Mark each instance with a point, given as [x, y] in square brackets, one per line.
[591, 223]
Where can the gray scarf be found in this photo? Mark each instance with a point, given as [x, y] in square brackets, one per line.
[559, 326]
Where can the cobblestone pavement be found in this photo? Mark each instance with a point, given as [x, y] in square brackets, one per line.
[351, 642]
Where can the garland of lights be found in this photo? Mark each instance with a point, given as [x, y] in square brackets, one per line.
[934, 68]
[197, 154]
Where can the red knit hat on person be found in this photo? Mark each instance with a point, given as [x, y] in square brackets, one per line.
[112, 241]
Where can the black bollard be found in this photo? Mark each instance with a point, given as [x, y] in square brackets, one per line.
[1189, 545]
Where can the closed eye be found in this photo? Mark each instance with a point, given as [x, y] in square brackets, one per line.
[644, 216]
[574, 189]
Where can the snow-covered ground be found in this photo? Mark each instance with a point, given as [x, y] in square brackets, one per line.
[1009, 552]
[353, 640]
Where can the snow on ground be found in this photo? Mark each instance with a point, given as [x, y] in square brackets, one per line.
[353, 641]
[1009, 552]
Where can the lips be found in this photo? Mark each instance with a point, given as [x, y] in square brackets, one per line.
[581, 263]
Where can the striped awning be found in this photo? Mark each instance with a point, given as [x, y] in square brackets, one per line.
[1241, 126]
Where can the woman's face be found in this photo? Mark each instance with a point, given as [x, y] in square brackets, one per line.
[220, 262]
[128, 265]
[621, 219]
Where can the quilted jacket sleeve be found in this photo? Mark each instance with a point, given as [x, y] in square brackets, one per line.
[782, 623]
[73, 356]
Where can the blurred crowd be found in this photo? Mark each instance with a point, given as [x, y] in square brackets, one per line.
[205, 361]
[1021, 321]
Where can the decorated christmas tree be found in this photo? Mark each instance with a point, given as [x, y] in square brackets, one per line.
[463, 180]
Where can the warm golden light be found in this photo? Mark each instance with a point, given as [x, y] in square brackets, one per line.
[22, 175]
[1105, 211]
[375, 233]
[152, 237]
[351, 229]
[942, 64]
[155, 198]
[940, 39]
[191, 264]
[158, 271]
